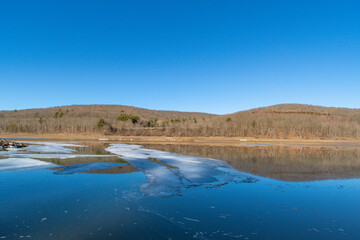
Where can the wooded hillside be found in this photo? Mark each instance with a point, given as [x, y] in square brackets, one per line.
[278, 121]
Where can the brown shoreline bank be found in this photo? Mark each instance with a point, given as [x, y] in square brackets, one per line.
[219, 141]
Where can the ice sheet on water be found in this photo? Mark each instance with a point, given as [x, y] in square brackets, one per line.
[50, 147]
[53, 143]
[83, 167]
[46, 150]
[22, 163]
[170, 172]
[48, 155]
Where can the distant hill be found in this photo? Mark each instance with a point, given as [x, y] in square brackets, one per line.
[295, 120]
[278, 121]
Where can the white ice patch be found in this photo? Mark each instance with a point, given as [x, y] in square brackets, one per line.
[189, 171]
[47, 150]
[48, 156]
[22, 163]
[50, 147]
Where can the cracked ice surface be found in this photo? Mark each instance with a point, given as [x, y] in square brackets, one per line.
[172, 172]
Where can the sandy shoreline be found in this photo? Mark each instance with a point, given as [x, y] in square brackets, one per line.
[219, 141]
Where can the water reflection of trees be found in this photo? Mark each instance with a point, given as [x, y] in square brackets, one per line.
[283, 163]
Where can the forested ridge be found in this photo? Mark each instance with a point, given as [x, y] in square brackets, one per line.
[278, 121]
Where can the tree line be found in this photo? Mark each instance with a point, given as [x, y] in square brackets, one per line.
[266, 123]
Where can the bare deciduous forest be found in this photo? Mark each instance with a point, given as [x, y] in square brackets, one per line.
[278, 121]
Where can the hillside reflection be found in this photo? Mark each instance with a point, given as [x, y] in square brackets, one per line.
[282, 163]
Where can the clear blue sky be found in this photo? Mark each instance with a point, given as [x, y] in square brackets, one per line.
[210, 56]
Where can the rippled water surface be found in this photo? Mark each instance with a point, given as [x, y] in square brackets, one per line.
[113, 190]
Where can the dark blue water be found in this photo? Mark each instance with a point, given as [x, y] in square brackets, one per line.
[43, 204]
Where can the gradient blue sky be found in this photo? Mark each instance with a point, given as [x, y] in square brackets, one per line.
[209, 56]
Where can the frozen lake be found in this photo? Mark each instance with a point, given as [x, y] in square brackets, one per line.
[113, 190]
